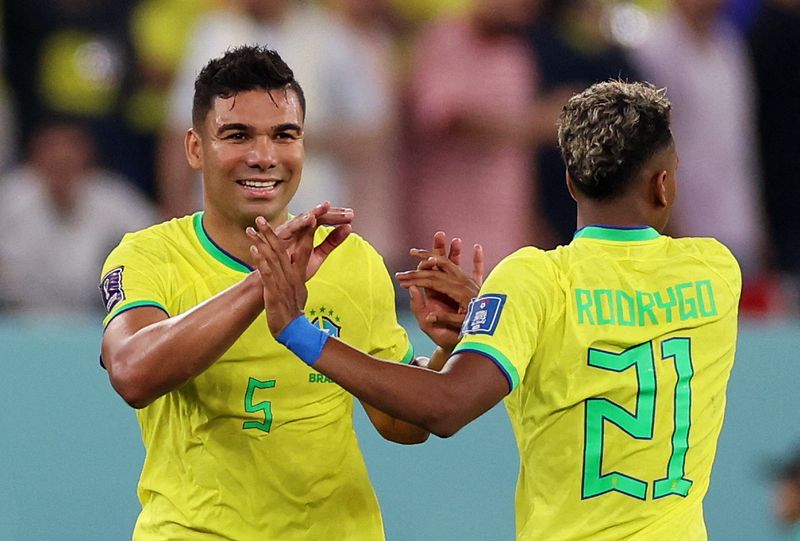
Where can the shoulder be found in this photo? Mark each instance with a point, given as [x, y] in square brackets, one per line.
[705, 248]
[160, 238]
[354, 263]
[527, 259]
[711, 254]
[529, 269]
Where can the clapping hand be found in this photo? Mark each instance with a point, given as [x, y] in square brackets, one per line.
[294, 232]
[440, 290]
[283, 272]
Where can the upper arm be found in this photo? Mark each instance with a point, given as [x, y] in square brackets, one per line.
[134, 295]
[476, 384]
[123, 327]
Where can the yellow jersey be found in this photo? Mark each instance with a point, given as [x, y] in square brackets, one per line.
[259, 446]
[617, 349]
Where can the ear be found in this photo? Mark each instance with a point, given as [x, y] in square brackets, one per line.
[193, 147]
[659, 189]
[570, 187]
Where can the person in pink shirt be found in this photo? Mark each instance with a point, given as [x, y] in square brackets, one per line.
[473, 120]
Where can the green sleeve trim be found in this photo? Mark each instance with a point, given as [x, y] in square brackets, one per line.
[135, 304]
[494, 355]
[409, 356]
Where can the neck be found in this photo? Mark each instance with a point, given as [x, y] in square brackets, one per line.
[229, 234]
[599, 214]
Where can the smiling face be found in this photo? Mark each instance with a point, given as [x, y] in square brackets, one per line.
[250, 151]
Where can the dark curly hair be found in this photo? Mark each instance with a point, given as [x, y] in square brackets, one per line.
[607, 133]
[240, 69]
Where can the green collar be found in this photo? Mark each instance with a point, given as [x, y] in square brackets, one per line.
[214, 250]
[623, 234]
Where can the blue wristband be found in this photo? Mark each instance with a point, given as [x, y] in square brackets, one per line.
[303, 339]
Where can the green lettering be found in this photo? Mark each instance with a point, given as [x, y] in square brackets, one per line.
[667, 306]
[602, 319]
[583, 300]
[624, 300]
[688, 305]
[645, 307]
[707, 297]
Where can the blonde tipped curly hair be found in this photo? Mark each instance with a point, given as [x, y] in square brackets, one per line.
[607, 133]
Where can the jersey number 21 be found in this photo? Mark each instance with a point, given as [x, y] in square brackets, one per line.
[640, 424]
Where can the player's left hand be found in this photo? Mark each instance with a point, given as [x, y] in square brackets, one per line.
[440, 290]
[323, 214]
[283, 275]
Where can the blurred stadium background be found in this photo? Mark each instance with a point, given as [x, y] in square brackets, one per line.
[93, 104]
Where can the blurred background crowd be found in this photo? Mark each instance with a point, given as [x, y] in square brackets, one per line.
[422, 115]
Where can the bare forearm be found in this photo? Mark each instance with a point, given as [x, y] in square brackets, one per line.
[164, 355]
[398, 430]
[422, 397]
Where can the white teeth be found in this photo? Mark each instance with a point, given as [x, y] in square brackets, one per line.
[259, 184]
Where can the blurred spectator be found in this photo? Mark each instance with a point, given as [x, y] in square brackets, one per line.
[422, 11]
[371, 173]
[473, 123]
[786, 496]
[572, 51]
[59, 216]
[703, 62]
[8, 136]
[71, 57]
[159, 31]
[329, 66]
[775, 42]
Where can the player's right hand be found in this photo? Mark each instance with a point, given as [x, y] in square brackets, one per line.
[293, 231]
[282, 273]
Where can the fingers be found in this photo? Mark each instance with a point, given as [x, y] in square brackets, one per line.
[289, 229]
[420, 253]
[272, 250]
[439, 243]
[322, 214]
[269, 279]
[477, 264]
[417, 301]
[334, 239]
[454, 254]
[325, 214]
[441, 263]
[254, 235]
[302, 251]
[446, 319]
[320, 209]
[455, 291]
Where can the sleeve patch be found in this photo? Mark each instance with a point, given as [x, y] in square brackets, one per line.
[111, 288]
[483, 314]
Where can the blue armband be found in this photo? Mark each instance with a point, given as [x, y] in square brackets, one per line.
[303, 339]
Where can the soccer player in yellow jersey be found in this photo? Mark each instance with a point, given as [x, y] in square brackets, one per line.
[613, 353]
[243, 441]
